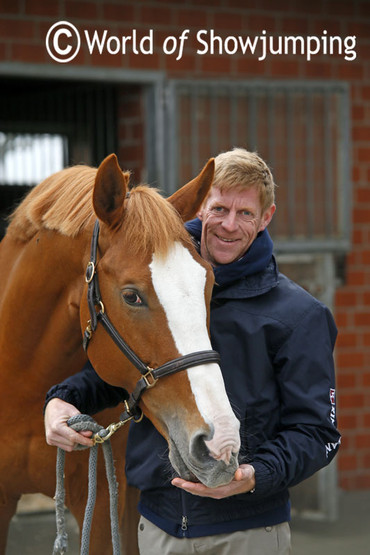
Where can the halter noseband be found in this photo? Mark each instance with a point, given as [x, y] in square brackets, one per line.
[150, 376]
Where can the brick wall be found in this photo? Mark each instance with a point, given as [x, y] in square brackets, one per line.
[24, 25]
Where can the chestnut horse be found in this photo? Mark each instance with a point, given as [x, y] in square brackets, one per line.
[156, 290]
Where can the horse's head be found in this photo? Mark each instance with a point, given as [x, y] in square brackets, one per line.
[156, 290]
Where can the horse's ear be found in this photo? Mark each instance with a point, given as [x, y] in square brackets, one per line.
[110, 191]
[190, 197]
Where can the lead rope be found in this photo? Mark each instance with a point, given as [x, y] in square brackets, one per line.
[82, 422]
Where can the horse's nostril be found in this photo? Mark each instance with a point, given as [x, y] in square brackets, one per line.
[198, 447]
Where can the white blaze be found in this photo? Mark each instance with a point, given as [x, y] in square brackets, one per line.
[179, 283]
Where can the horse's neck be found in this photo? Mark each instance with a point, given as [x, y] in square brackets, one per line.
[41, 284]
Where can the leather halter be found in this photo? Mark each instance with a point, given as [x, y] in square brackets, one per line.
[150, 376]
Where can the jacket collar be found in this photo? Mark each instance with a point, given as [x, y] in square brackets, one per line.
[253, 274]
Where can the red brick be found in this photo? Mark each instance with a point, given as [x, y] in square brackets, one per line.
[107, 60]
[341, 319]
[119, 12]
[365, 91]
[366, 339]
[143, 61]
[188, 18]
[365, 460]
[81, 10]
[345, 298]
[352, 359]
[187, 63]
[29, 53]
[282, 6]
[356, 278]
[332, 26]
[42, 8]
[259, 22]
[152, 14]
[349, 70]
[215, 64]
[10, 6]
[347, 462]
[364, 8]
[295, 25]
[347, 422]
[250, 66]
[284, 67]
[363, 193]
[358, 112]
[340, 7]
[345, 380]
[351, 400]
[12, 29]
[365, 257]
[347, 340]
[363, 154]
[360, 481]
[361, 133]
[318, 69]
[226, 21]
[362, 319]
[363, 441]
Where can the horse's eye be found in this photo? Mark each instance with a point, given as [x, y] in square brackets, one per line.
[132, 298]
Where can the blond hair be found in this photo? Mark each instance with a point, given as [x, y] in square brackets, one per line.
[241, 169]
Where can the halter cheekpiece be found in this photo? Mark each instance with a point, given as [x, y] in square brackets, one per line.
[150, 376]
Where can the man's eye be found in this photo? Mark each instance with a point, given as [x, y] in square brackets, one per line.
[218, 209]
[132, 298]
[248, 215]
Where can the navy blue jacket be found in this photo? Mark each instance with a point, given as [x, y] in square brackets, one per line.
[276, 343]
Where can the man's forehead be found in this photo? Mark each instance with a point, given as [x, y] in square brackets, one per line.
[236, 195]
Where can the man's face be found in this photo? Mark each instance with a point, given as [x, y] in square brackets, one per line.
[231, 221]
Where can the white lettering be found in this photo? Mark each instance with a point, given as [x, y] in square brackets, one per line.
[199, 39]
[96, 41]
[167, 47]
[114, 45]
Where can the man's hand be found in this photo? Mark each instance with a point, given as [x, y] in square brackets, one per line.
[58, 432]
[243, 481]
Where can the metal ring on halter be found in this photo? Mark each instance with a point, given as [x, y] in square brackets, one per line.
[136, 419]
[89, 268]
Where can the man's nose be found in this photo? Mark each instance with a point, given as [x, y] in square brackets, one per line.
[229, 222]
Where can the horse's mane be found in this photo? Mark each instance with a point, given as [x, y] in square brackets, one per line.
[63, 203]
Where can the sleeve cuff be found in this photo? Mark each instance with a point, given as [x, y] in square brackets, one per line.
[64, 393]
[263, 476]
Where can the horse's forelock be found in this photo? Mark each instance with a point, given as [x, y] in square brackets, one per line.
[151, 222]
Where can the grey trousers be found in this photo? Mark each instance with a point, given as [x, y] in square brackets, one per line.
[272, 540]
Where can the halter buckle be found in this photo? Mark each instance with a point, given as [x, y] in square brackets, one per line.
[149, 379]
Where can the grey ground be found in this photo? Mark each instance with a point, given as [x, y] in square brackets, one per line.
[33, 533]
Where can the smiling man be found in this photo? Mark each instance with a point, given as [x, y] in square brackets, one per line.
[231, 224]
[276, 346]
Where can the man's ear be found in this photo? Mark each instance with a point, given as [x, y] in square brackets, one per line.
[267, 217]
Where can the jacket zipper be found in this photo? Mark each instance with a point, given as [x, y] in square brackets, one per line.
[184, 518]
[184, 523]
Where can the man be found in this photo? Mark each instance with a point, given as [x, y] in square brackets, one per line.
[276, 344]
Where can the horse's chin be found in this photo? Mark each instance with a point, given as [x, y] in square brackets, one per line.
[209, 471]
